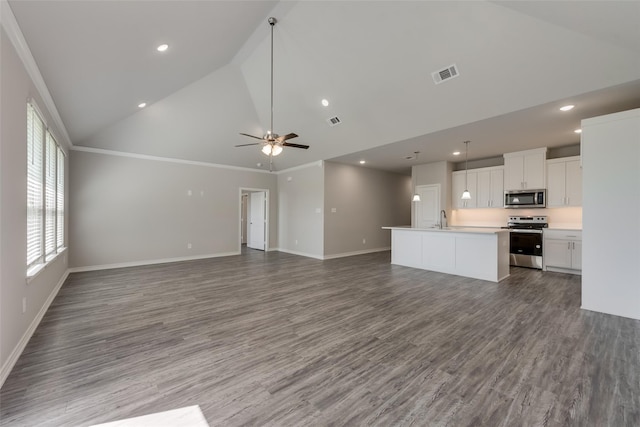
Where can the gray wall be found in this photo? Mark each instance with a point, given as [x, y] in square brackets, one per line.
[300, 210]
[127, 210]
[435, 173]
[365, 200]
[17, 87]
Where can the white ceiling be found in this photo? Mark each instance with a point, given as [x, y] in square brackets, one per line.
[518, 61]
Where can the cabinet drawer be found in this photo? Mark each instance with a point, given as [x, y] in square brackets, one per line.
[563, 234]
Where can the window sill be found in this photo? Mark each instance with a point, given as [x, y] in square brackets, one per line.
[35, 271]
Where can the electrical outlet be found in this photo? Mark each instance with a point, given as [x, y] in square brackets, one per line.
[296, 243]
[334, 210]
[24, 305]
[201, 193]
[189, 192]
[364, 241]
[188, 245]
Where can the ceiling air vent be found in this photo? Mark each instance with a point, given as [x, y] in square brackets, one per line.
[334, 121]
[445, 74]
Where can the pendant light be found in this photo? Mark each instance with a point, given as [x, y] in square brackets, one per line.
[416, 196]
[466, 195]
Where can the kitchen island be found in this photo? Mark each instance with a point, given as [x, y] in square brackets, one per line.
[479, 253]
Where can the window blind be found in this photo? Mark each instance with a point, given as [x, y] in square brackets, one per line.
[60, 201]
[35, 160]
[50, 195]
[45, 192]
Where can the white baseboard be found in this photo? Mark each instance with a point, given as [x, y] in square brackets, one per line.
[287, 251]
[149, 262]
[17, 351]
[362, 252]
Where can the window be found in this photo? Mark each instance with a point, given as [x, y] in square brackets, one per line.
[45, 193]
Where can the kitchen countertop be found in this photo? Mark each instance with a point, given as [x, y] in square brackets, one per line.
[566, 228]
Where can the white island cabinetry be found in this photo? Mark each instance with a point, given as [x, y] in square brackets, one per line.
[479, 253]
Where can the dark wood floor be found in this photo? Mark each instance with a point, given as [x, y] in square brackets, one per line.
[277, 339]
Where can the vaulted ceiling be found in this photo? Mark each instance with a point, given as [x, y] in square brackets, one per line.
[518, 62]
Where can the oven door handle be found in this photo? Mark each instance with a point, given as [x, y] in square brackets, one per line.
[515, 230]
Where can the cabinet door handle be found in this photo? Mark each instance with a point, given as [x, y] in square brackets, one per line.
[574, 245]
[569, 245]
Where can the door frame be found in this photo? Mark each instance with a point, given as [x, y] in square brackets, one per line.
[416, 208]
[267, 220]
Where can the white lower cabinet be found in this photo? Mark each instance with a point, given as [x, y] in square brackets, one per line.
[562, 251]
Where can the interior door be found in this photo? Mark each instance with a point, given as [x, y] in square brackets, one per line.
[243, 220]
[256, 221]
[428, 208]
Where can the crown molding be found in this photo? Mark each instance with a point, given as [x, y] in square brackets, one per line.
[163, 159]
[11, 27]
[318, 163]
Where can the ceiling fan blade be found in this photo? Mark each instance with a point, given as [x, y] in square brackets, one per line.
[288, 144]
[287, 136]
[246, 145]
[251, 136]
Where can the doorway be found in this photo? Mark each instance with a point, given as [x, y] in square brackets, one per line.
[254, 218]
[427, 210]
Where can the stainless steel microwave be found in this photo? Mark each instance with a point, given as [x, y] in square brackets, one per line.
[525, 199]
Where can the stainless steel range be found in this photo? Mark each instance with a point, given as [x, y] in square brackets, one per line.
[525, 245]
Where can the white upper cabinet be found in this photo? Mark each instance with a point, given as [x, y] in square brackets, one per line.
[485, 185]
[564, 178]
[490, 187]
[458, 186]
[525, 170]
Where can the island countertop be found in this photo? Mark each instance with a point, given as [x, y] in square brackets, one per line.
[454, 229]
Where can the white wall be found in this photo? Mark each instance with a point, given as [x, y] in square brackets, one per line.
[300, 210]
[365, 200]
[15, 326]
[611, 204]
[130, 210]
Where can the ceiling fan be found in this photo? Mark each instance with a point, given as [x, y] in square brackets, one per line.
[272, 143]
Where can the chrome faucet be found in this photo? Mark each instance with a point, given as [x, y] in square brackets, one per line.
[443, 219]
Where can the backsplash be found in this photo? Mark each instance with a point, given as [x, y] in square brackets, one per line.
[558, 217]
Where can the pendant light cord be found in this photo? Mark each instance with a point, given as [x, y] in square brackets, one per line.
[466, 166]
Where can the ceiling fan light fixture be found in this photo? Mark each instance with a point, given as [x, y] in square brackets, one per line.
[271, 150]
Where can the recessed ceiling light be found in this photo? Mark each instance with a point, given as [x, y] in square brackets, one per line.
[578, 131]
[567, 108]
[456, 153]
[362, 162]
[325, 102]
[162, 47]
[142, 105]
